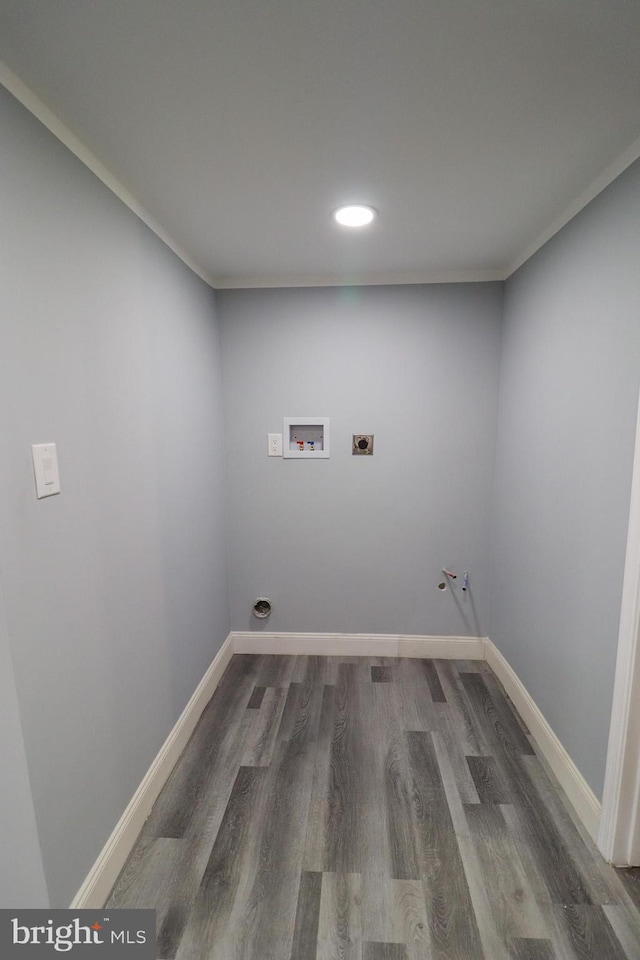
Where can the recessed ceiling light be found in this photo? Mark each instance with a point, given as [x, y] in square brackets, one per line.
[354, 215]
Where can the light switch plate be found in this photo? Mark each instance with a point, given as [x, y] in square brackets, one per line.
[45, 469]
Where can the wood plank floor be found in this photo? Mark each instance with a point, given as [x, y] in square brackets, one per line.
[630, 876]
[333, 808]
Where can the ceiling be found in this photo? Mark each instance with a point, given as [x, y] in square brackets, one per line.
[236, 126]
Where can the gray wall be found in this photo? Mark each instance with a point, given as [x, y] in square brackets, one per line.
[568, 402]
[21, 872]
[355, 544]
[115, 591]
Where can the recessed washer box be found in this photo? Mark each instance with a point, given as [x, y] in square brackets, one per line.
[306, 438]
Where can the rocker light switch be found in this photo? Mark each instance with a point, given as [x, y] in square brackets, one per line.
[45, 469]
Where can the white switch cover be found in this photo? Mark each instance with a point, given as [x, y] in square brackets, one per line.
[274, 444]
[45, 468]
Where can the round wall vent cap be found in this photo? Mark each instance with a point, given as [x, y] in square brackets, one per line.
[262, 608]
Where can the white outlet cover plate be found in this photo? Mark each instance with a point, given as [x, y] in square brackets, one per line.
[274, 444]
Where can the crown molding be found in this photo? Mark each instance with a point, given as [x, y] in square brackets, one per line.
[25, 95]
[359, 280]
[619, 165]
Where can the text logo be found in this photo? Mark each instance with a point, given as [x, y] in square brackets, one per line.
[120, 934]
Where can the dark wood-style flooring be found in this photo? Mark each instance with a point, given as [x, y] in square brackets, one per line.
[333, 808]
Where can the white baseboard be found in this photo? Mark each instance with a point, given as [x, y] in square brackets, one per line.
[580, 794]
[104, 873]
[359, 645]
